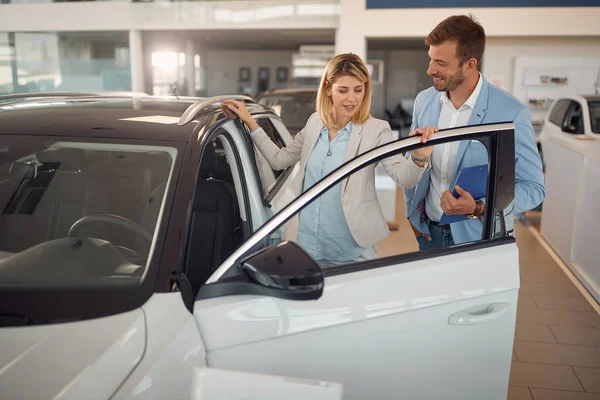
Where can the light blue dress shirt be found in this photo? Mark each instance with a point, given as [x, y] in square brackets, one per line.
[323, 230]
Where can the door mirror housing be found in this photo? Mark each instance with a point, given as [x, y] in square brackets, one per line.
[286, 271]
[569, 129]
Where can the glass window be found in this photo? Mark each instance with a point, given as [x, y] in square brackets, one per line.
[558, 112]
[64, 61]
[595, 116]
[79, 213]
[574, 119]
[342, 226]
[268, 176]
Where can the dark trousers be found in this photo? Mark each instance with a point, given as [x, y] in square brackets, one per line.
[441, 238]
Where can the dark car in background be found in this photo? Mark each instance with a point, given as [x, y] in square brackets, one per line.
[293, 105]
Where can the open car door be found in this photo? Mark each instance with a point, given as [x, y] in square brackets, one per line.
[423, 325]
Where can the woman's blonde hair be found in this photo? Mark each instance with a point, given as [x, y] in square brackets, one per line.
[347, 64]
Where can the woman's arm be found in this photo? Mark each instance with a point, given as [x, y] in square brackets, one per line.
[405, 172]
[278, 159]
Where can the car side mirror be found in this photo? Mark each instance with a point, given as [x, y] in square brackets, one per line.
[286, 271]
[569, 129]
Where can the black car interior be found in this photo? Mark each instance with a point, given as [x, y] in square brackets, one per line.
[215, 226]
[574, 121]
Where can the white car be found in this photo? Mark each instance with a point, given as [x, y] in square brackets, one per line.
[575, 117]
[143, 238]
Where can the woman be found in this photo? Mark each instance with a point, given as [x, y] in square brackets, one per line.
[346, 222]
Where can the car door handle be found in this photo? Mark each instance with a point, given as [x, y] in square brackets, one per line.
[479, 314]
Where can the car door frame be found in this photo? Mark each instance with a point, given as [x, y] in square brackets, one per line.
[502, 194]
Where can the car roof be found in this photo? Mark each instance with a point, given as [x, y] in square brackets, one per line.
[129, 116]
[579, 97]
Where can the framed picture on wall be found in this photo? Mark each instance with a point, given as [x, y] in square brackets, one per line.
[244, 74]
[263, 79]
[282, 75]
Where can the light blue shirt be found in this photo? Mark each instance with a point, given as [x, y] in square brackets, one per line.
[323, 231]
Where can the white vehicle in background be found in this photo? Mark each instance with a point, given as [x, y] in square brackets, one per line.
[573, 117]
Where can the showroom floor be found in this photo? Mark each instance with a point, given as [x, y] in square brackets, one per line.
[557, 340]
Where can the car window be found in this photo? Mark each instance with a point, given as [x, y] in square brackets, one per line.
[594, 107]
[271, 131]
[268, 176]
[342, 225]
[79, 213]
[557, 116]
[574, 119]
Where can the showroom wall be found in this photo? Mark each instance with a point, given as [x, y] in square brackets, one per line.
[500, 53]
[223, 69]
[404, 76]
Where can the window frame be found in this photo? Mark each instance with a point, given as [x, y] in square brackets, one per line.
[499, 194]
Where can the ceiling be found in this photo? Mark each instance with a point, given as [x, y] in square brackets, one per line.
[255, 39]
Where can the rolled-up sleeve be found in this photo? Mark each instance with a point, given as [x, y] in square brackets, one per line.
[402, 170]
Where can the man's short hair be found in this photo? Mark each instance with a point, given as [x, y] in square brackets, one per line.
[463, 30]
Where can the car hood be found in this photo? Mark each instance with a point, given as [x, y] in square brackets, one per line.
[79, 360]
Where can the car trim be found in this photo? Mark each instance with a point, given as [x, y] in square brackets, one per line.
[407, 144]
[415, 256]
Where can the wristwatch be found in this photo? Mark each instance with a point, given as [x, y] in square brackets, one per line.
[479, 208]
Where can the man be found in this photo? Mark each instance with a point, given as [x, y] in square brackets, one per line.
[461, 96]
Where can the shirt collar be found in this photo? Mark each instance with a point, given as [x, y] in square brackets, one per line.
[344, 130]
[471, 101]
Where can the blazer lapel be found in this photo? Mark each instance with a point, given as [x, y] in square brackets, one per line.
[310, 142]
[476, 117]
[353, 145]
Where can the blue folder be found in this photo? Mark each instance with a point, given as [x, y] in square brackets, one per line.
[473, 180]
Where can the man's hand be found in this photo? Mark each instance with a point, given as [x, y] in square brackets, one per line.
[464, 205]
[426, 134]
[419, 234]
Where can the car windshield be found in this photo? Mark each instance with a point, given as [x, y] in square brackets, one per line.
[294, 108]
[79, 213]
[595, 116]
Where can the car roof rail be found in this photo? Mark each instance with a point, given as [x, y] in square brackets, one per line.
[192, 111]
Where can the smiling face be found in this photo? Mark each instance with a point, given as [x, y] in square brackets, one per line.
[445, 67]
[347, 94]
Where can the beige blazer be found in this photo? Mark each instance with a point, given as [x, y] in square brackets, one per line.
[359, 197]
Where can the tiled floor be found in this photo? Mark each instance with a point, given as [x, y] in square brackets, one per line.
[556, 354]
[557, 338]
